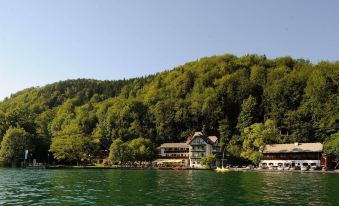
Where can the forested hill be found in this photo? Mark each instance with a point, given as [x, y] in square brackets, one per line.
[220, 95]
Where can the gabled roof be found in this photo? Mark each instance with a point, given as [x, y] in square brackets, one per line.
[213, 138]
[209, 140]
[174, 145]
[293, 148]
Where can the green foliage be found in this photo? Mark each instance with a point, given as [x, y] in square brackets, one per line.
[120, 152]
[138, 150]
[71, 145]
[249, 113]
[234, 147]
[142, 149]
[331, 146]
[14, 144]
[208, 160]
[255, 138]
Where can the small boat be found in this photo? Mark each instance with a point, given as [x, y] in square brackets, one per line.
[222, 169]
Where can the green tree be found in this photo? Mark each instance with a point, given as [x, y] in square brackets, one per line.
[21, 117]
[208, 160]
[225, 136]
[73, 146]
[142, 149]
[255, 138]
[234, 147]
[3, 125]
[248, 114]
[119, 152]
[331, 147]
[14, 144]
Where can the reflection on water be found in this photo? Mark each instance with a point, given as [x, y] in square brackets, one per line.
[161, 187]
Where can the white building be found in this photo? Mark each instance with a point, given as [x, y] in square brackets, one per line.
[200, 146]
[291, 155]
[173, 154]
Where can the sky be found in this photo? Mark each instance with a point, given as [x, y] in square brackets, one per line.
[42, 42]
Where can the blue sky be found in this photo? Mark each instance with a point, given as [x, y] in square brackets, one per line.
[46, 41]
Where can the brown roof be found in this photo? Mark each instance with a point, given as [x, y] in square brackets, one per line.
[209, 140]
[197, 134]
[213, 138]
[296, 147]
[174, 145]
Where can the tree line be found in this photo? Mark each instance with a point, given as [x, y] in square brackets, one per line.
[245, 101]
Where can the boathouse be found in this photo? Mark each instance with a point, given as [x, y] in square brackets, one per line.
[292, 155]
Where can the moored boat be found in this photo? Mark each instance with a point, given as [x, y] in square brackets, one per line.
[222, 169]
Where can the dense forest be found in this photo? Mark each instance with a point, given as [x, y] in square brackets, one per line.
[246, 101]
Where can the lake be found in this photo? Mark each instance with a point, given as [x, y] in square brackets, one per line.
[165, 187]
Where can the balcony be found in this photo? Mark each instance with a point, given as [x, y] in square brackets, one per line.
[196, 156]
[176, 151]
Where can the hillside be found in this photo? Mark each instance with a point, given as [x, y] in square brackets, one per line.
[220, 95]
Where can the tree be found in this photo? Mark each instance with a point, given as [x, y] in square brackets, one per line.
[3, 125]
[142, 149]
[119, 152]
[14, 144]
[23, 118]
[71, 148]
[248, 114]
[71, 145]
[331, 147]
[225, 136]
[258, 75]
[255, 138]
[208, 160]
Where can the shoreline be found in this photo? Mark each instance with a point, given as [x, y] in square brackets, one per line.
[153, 168]
[55, 167]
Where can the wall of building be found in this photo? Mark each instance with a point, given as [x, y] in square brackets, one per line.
[290, 162]
[174, 152]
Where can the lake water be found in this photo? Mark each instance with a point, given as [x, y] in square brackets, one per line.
[165, 187]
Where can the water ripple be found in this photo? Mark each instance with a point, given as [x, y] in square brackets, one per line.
[154, 187]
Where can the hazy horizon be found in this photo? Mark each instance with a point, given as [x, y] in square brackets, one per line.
[46, 42]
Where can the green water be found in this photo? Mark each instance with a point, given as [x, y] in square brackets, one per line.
[161, 187]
